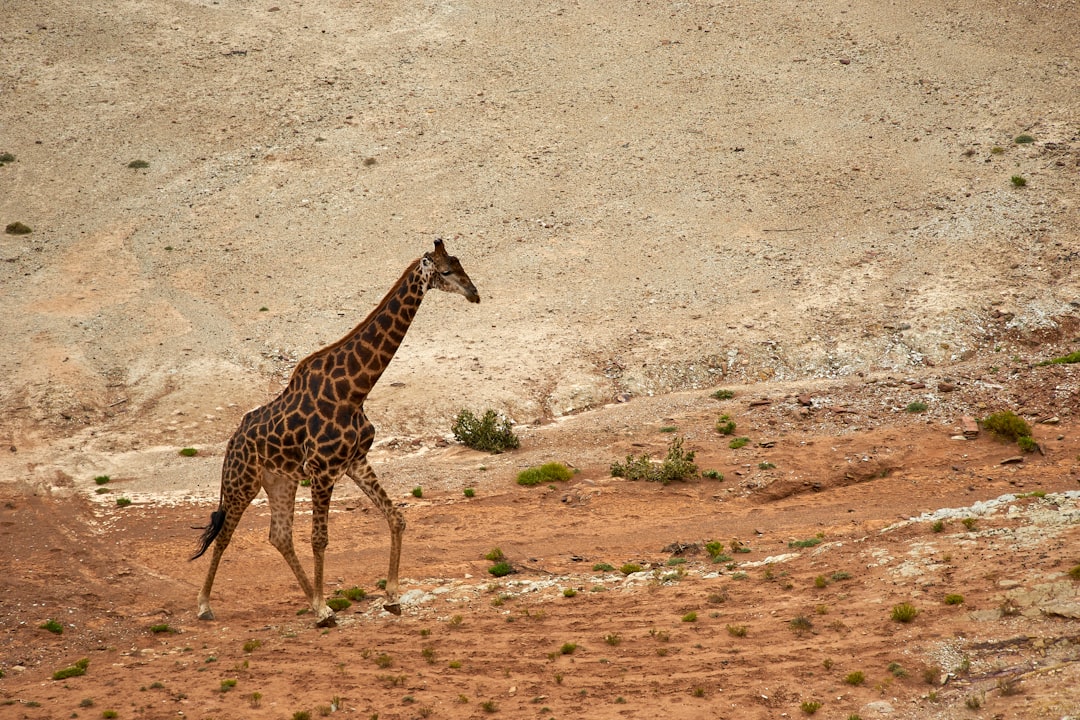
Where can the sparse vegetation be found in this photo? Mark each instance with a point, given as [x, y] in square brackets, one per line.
[501, 569]
[897, 670]
[138, 164]
[469, 492]
[725, 425]
[1018, 181]
[354, 593]
[1074, 572]
[801, 624]
[101, 480]
[916, 407]
[1073, 357]
[228, 684]
[52, 626]
[938, 526]
[739, 442]
[904, 612]
[1023, 139]
[810, 706]
[546, 473]
[6, 158]
[568, 648]
[161, 628]
[569, 592]
[723, 394]
[189, 452]
[630, 568]
[713, 475]
[337, 604]
[79, 668]
[1007, 425]
[969, 523]
[808, 543]
[488, 434]
[690, 617]
[17, 228]
[613, 639]
[123, 501]
[954, 599]
[418, 492]
[602, 567]
[252, 645]
[737, 630]
[855, 678]
[678, 465]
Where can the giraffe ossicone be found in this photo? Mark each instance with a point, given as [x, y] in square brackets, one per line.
[316, 429]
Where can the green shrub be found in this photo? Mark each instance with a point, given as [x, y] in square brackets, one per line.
[954, 599]
[469, 492]
[79, 668]
[501, 569]
[725, 425]
[161, 628]
[602, 567]
[337, 604]
[904, 612]
[189, 452]
[1073, 357]
[123, 501]
[418, 492]
[354, 593]
[739, 442]
[809, 542]
[678, 465]
[810, 706]
[101, 479]
[52, 626]
[1074, 572]
[17, 228]
[488, 434]
[1007, 425]
[723, 394]
[1018, 181]
[1023, 139]
[495, 555]
[630, 568]
[138, 164]
[916, 407]
[855, 678]
[546, 473]
[1027, 443]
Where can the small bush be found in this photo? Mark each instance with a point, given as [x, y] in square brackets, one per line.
[469, 492]
[602, 567]
[337, 604]
[801, 624]
[546, 473]
[723, 394]
[1007, 425]
[904, 612]
[1073, 357]
[569, 592]
[739, 442]
[954, 599]
[938, 526]
[418, 492]
[161, 628]
[737, 630]
[383, 660]
[228, 684]
[17, 228]
[1027, 444]
[1074, 572]
[916, 407]
[613, 639]
[5, 158]
[138, 164]
[1023, 139]
[189, 452]
[52, 626]
[897, 670]
[630, 568]
[713, 475]
[855, 678]
[568, 648]
[101, 479]
[690, 617]
[252, 645]
[488, 434]
[725, 425]
[354, 593]
[501, 569]
[1018, 181]
[123, 501]
[808, 543]
[678, 465]
[495, 555]
[810, 706]
[79, 668]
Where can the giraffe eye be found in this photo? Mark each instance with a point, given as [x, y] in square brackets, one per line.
[444, 272]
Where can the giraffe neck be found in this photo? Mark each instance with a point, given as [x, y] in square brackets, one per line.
[355, 363]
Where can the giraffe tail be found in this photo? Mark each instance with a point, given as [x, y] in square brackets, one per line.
[217, 521]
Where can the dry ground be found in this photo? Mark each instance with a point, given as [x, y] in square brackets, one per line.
[655, 200]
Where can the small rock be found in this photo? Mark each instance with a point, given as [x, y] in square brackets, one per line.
[845, 61]
[970, 426]
[1050, 421]
[1013, 460]
[806, 400]
[945, 387]
[623, 397]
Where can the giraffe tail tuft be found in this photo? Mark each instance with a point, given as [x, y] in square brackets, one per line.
[217, 521]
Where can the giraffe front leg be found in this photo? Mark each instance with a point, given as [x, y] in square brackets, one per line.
[362, 474]
[320, 538]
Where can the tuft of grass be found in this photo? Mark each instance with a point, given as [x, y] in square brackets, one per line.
[252, 645]
[737, 630]
[723, 394]
[1018, 181]
[469, 492]
[969, 523]
[489, 706]
[5, 158]
[713, 475]
[668, 429]
[938, 526]
[677, 465]
[630, 568]
[801, 624]
[383, 660]
[821, 582]
[808, 543]
[356, 594]
[613, 639]
[1007, 425]
[690, 617]
[897, 670]
[855, 678]
[810, 706]
[418, 492]
[138, 164]
[725, 425]
[79, 668]
[101, 480]
[568, 648]
[488, 434]
[954, 599]
[189, 452]
[1074, 572]
[501, 569]
[916, 407]
[228, 684]
[52, 626]
[569, 592]
[543, 474]
[904, 612]
[17, 228]
[602, 567]
[161, 628]
[1073, 357]
[738, 443]
[1023, 139]
[109, 714]
[495, 555]
[337, 604]
[123, 501]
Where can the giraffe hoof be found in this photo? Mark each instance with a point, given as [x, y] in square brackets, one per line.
[206, 614]
[393, 608]
[328, 621]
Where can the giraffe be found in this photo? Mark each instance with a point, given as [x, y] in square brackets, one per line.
[316, 429]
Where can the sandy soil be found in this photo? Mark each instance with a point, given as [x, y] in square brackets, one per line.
[810, 204]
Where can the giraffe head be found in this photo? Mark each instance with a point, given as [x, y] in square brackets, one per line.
[447, 274]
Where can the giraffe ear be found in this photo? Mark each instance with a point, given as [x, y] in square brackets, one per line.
[439, 249]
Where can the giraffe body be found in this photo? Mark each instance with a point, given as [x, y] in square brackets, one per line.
[316, 429]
